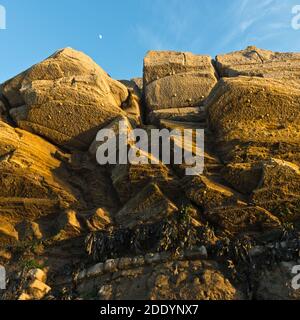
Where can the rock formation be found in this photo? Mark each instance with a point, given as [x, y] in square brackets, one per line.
[256, 62]
[65, 98]
[73, 229]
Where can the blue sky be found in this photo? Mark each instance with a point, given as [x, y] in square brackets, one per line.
[129, 28]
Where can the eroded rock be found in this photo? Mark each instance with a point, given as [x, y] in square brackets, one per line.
[227, 213]
[260, 63]
[148, 206]
[99, 220]
[131, 178]
[160, 64]
[38, 182]
[209, 194]
[179, 91]
[67, 88]
[244, 177]
[33, 181]
[192, 114]
[183, 280]
[243, 219]
[8, 234]
[279, 189]
[255, 117]
[176, 79]
[120, 126]
[38, 289]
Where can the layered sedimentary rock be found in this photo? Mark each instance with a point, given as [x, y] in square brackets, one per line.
[32, 177]
[65, 98]
[260, 63]
[132, 105]
[189, 114]
[249, 113]
[129, 178]
[244, 177]
[151, 231]
[161, 282]
[279, 189]
[176, 80]
[38, 181]
[149, 205]
[160, 64]
[255, 119]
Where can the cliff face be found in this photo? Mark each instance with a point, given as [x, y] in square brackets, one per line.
[142, 231]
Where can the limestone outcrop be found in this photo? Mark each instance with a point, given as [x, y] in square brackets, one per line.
[72, 228]
[260, 63]
[177, 80]
[65, 98]
[251, 112]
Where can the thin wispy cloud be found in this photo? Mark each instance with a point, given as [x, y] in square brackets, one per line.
[244, 25]
[170, 23]
[207, 26]
[248, 20]
[147, 37]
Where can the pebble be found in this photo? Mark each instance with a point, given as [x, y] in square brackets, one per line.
[82, 275]
[38, 289]
[152, 258]
[96, 270]
[105, 292]
[38, 274]
[125, 263]
[111, 265]
[24, 297]
[138, 261]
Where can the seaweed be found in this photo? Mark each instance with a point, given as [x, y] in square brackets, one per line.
[170, 234]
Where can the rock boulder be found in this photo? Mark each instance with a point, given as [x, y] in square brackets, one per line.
[65, 98]
[260, 63]
[247, 113]
[176, 79]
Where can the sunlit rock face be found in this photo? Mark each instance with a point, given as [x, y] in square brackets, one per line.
[177, 79]
[260, 63]
[65, 98]
[149, 231]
